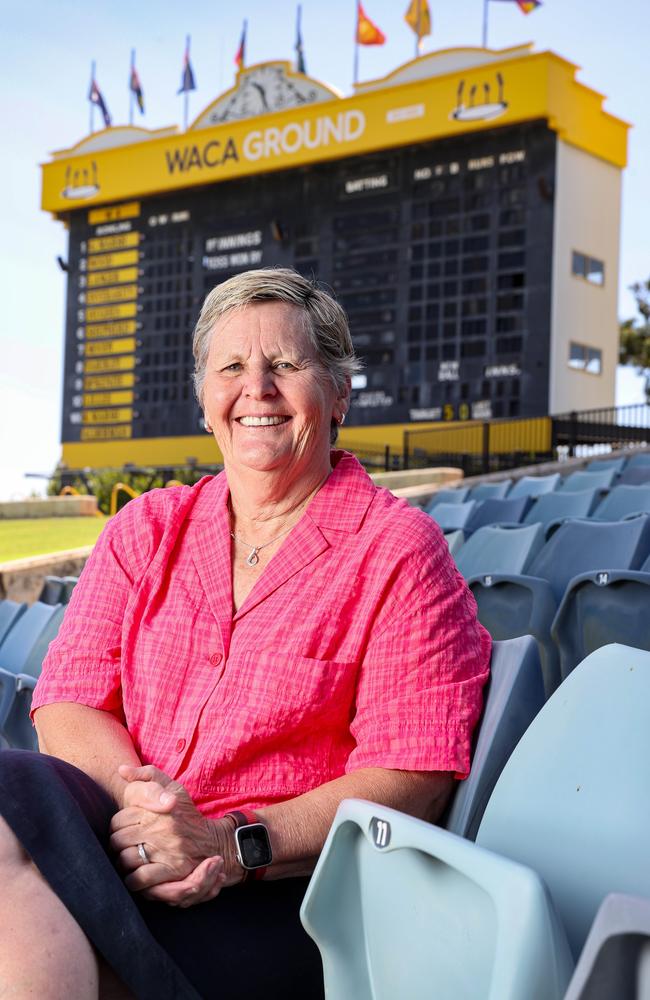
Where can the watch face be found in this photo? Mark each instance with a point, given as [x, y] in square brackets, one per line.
[254, 846]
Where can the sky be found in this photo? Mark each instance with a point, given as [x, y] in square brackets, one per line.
[44, 77]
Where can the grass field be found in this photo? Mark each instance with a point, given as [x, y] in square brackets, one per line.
[36, 536]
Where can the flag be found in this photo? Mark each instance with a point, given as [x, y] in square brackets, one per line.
[136, 88]
[367, 32]
[240, 57]
[187, 80]
[300, 55]
[418, 17]
[95, 97]
[528, 6]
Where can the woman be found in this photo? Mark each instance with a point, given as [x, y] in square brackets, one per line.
[265, 643]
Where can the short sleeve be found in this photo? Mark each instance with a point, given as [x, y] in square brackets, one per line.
[83, 663]
[419, 694]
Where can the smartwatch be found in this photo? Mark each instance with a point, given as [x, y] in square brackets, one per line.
[252, 843]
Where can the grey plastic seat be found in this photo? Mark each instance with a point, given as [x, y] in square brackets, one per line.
[599, 465]
[51, 590]
[514, 696]
[623, 501]
[17, 646]
[34, 661]
[615, 961]
[639, 460]
[402, 909]
[10, 612]
[69, 583]
[638, 475]
[599, 608]
[490, 491]
[458, 495]
[497, 549]
[588, 480]
[511, 604]
[551, 509]
[16, 729]
[452, 516]
[573, 801]
[534, 486]
[505, 511]
[455, 541]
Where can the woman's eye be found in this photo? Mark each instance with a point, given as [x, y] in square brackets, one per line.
[284, 365]
[234, 367]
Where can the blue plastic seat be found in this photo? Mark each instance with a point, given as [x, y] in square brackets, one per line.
[452, 516]
[17, 646]
[601, 607]
[588, 480]
[615, 961]
[402, 909]
[623, 501]
[495, 549]
[69, 583]
[458, 495]
[16, 729]
[514, 696]
[490, 491]
[10, 612]
[497, 512]
[455, 541]
[51, 591]
[639, 460]
[551, 509]
[534, 486]
[602, 464]
[573, 801]
[510, 604]
[638, 475]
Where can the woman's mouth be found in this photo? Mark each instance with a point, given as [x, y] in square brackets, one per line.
[270, 421]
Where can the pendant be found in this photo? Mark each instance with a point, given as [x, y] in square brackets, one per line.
[253, 558]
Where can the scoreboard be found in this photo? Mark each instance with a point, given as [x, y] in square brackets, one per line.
[437, 238]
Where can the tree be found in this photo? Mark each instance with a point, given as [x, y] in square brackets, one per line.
[634, 344]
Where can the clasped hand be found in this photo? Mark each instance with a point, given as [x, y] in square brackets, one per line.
[186, 864]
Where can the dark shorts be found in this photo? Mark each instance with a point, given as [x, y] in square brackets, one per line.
[246, 944]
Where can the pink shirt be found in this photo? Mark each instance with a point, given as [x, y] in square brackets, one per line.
[357, 647]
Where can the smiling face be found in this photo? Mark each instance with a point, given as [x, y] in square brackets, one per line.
[267, 395]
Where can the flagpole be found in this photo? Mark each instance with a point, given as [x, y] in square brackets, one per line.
[131, 87]
[356, 47]
[186, 93]
[417, 37]
[485, 23]
[298, 35]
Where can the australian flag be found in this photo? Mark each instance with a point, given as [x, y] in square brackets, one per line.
[136, 88]
[187, 80]
[95, 96]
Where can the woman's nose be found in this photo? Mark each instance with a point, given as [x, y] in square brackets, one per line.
[260, 383]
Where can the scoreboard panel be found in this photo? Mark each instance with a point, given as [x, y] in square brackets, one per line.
[440, 253]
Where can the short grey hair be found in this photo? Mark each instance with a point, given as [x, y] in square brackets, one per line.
[325, 321]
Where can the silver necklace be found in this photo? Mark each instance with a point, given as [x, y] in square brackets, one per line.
[253, 558]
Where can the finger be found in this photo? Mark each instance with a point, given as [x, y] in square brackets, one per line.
[204, 882]
[143, 772]
[149, 795]
[130, 859]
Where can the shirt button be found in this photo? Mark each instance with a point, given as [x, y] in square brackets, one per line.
[180, 746]
[215, 659]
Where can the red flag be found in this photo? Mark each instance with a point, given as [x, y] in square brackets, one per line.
[367, 31]
[240, 58]
[528, 6]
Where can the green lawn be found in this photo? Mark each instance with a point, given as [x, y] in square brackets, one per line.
[36, 536]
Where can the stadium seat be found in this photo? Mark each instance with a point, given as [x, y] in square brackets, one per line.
[34, 661]
[495, 549]
[600, 465]
[551, 509]
[447, 496]
[490, 491]
[452, 516]
[623, 501]
[510, 604]
[514, 696]
[573, 801]
[638, 475]
[601, 607]
[615, 961]
[69, 583]
[10, 612]
[638, 461]
[534, 486]
[402, 909]
[17, 646]
[496, 512]
[454, 540]
[588, 481]
[51, 590]
[16, 729]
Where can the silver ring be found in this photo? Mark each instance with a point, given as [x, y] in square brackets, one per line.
[143, 854]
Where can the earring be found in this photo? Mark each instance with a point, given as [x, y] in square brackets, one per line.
[341, 419]
[207, 427]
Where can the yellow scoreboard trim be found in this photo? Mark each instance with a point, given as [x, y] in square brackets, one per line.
[117, 415]
[97, 348]
[100, 244]
[535, 86]
[120, 363]
[121, 432]
[108, 398]
[116, 329]
[114, 213]
[120, 259]
[120, 276]
[118, 381]
[122, 310]
[120, 293]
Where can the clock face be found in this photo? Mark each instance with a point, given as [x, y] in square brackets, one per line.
[263, 89]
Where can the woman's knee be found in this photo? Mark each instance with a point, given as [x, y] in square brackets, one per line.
[12, 852]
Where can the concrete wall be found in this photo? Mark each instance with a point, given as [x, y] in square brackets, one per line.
[22, 579]
[588, 220]
[68, 506]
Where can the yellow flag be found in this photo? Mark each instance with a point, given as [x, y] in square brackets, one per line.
[418, 18]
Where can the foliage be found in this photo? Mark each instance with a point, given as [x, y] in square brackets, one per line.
[100, 483]
[634, 344]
